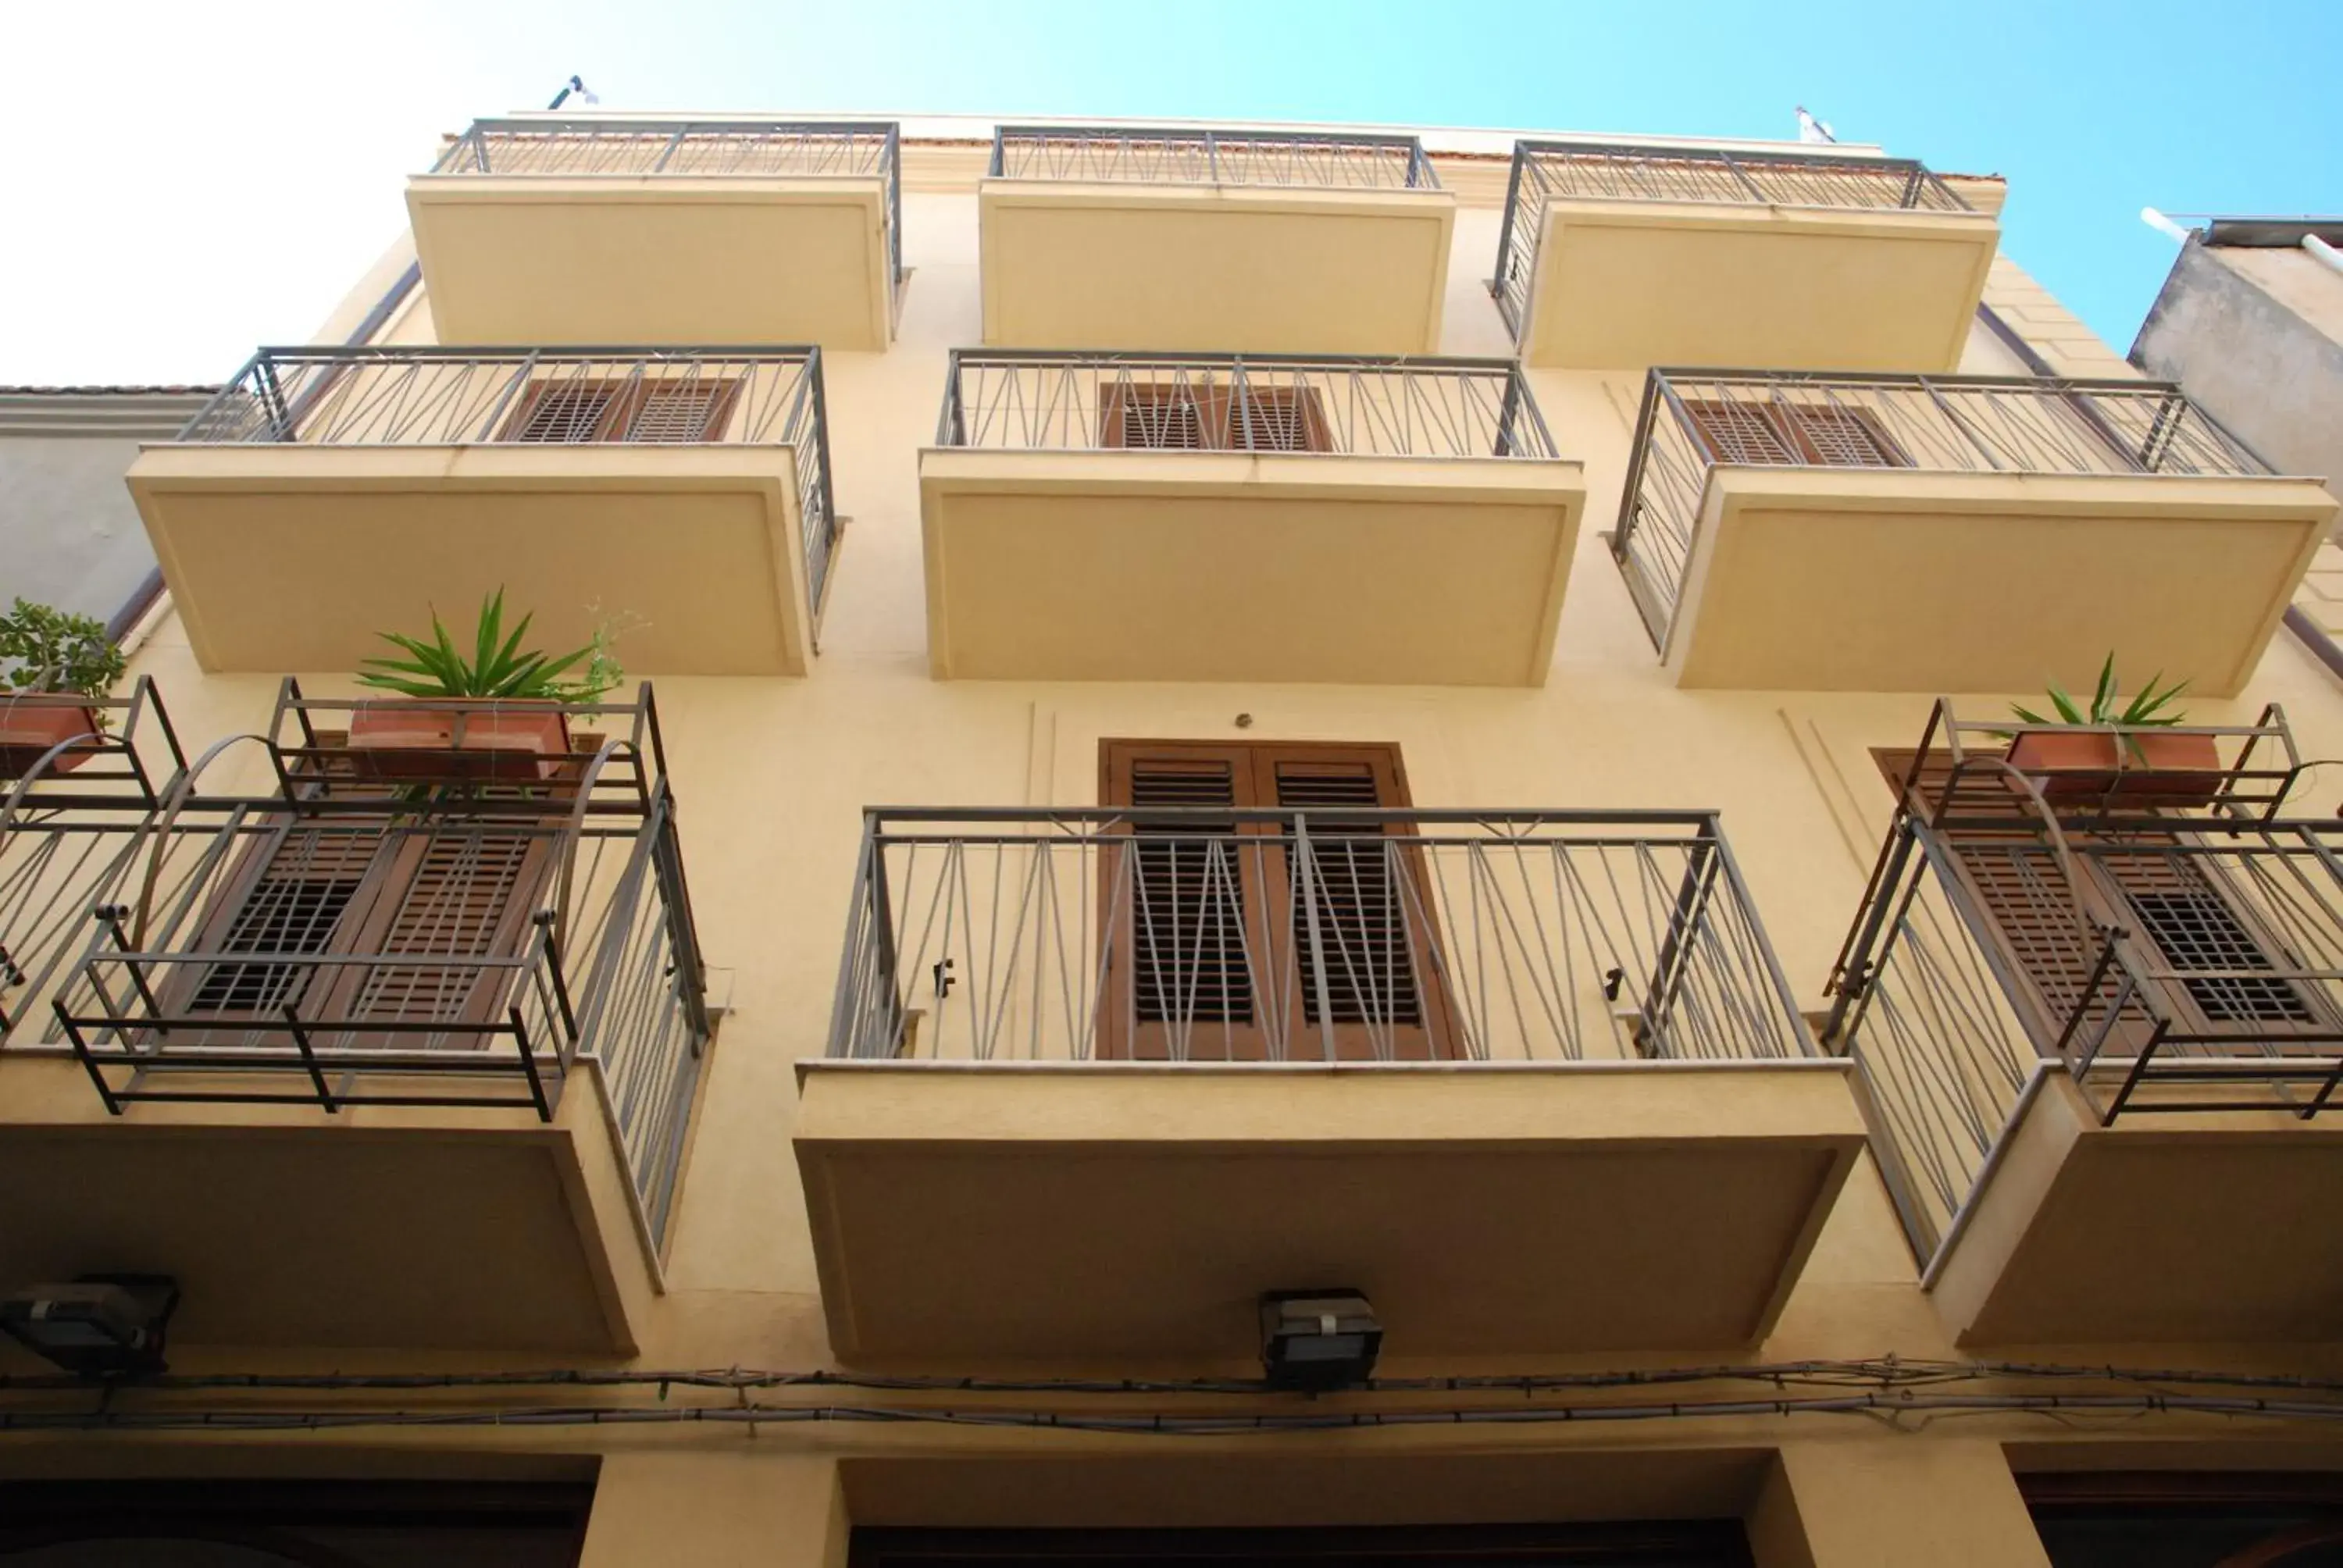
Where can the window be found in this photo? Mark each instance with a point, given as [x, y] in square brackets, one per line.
[1204, 415]
[1783, 432]
[637, 410]
[1208, 942]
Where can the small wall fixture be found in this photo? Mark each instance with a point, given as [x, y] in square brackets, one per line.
[1318, 1340]
[99, 1326]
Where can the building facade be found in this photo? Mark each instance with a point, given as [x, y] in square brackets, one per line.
[1344, 737]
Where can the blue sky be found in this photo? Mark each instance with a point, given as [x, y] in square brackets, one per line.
[250, 155]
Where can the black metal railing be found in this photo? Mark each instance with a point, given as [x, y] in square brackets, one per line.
[1186, 156]
[1546, 172]
[401, 923]
[1359, 405]
[626, 395]
[1207, 935]
[1694, 421]
[2150, 921]
[587, 146]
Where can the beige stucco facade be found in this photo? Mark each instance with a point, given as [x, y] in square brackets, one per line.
[1098, 1223]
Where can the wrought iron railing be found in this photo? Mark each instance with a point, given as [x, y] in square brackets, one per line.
[1694, 421]
[413, 926]
[1185, 156]
[1546, 172]
[587, 146]
[2167, 935]
[629, 396]
[1359, 406]
[1201, 935]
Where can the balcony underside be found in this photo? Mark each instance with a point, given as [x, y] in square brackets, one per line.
[1214, 268]
[292, 558]
[1877, 579]
[1629, 283]
[2206, 1228]
[654, 260]
[1224, 566]
[378, 1227]
[950, 1207]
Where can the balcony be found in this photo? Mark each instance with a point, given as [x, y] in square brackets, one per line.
[388, 1052]
[1617, 255]
[2097, 1017]
[1463, 1061]
[1253, 518]
[327, 493]
[1958, 533]
[593, 230]
[1228, 241]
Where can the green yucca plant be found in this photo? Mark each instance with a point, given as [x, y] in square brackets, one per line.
[497, 666]
[2146, 709]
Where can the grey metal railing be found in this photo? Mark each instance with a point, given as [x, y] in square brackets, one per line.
[1203, 934]
[2173, 942]
[358, 937]
[629, 396]
[1361, 406]
[1546, 172]
[1186, 156]
[587, 146]
[1694, 421]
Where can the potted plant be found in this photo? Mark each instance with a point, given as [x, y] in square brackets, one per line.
[2108, 752]
[522, 739]
[52, 662]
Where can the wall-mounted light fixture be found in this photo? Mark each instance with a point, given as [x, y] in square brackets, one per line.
[98, 1326]
[1318, 1340]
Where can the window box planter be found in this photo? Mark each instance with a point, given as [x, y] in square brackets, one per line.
[414, 741]
[33, 722]
[2140, 768]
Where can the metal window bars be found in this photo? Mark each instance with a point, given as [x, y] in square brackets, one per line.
[1358, 404]
[625, 394]
[1334, 160]
[2183, 956]
[1230, 935]
[589, 146]
[1692, 422]
[435, 937]
[1548, 172]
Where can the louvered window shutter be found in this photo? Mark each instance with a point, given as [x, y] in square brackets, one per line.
[1283, 419]
[1183, 414]
[1366, 902]
[1742, 432]
[567, 412]
[292, 900]
[455, 893]
[1810, 434]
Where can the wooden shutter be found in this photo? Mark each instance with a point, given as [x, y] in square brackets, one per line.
[1742, 432]
[1283, 419]
[1816, 434]
[565, 412]
[1209, 957]
[696, 411]
[1165, 415]
[655, 412]
[294, 896]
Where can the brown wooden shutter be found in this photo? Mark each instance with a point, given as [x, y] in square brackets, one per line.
[1166, 416]
[294, 895]
[457, 894]
[1797, 433]
[1226, 926]
[1283, 419]
[566, 412]
[658, 412]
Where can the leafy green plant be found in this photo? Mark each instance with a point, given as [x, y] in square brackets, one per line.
[43, 649]
[496, 666]
[2146, 710]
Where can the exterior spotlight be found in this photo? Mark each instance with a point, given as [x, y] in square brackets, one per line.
[100, 1326]
[1318, 1341]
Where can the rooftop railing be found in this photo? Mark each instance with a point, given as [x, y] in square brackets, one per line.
[1344, 406]
[629, 396]
[393, 928]
[1181, 155]
[1694, 421]
[2169, 937]
[1212, 935]
[589, 146]
[1548, 172]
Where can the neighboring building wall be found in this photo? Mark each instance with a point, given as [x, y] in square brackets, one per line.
[2255, 335]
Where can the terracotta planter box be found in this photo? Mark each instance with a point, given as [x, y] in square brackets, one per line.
[33, 722]
[518, 742]
[2088, 765]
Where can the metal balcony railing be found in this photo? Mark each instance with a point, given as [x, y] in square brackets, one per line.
[2174, 941]
[632, 396]
[1181, 155]
[588, 146]
[1358, 405]
[424, 936]
[1548, 172]
[1204, 935]
[1694, 421]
